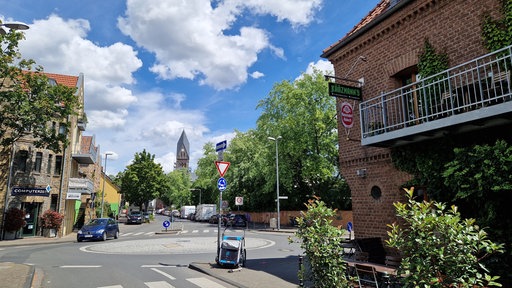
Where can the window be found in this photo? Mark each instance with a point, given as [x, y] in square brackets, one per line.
[49, 164]
[37, 163]
[53, 204]
[58, 164]
[22, 160]
[62, 129]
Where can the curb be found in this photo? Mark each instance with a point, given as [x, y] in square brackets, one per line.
[195, 266]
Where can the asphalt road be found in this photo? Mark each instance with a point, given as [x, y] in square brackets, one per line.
[141, 257]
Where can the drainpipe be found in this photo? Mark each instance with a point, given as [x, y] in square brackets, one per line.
[6, 201]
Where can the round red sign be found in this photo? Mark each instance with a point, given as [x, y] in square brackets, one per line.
[347, 115]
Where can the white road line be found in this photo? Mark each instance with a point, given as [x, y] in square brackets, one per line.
[204, 283]
[195, 231]
[206, 231]
[80, 266]
[163, 273]
[159, 284]
[138, 233]
[184, 231]
[126, 234]
[113, 286]
[150, 233]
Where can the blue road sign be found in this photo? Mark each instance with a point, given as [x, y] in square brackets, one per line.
[221, 146]
[222, 184]
[349, 226]
[166, 223]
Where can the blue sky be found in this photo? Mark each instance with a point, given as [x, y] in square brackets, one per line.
[155, 68]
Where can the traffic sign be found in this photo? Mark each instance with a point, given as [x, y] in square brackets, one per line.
[283, 197]
[239, 201]
[166, 224]
[221, 146]
[222, 184]
[349, 226]
[347, 115]
[222, 167]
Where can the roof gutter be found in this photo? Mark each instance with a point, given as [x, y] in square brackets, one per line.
[365, 28]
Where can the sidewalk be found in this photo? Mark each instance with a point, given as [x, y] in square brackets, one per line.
[22, 275]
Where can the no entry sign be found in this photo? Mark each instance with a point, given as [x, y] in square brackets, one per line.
[347, 115]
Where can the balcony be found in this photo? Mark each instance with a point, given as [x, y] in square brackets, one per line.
[80, 185]
[85, 156]
[81, 124]
[471, 96]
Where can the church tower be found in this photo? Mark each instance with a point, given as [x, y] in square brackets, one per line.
[182, 152]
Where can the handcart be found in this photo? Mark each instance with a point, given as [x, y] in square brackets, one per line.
[232, 251]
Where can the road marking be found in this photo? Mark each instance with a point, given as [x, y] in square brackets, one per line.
[159, 284]
[184, 231]
[80, 266]
[206, 231]
[138, 233]
[163, 273]
[204, 283]
[113, 286]
[150, 233]
[126, 234]
[195, 231]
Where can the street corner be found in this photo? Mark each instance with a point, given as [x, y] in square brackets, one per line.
[17, 275]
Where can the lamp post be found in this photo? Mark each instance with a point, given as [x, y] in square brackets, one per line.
[104, 180]
[277, 180]
[200, 192]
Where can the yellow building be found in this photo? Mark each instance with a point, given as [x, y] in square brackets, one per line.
[112, 195]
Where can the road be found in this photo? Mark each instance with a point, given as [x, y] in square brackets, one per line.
[142, 257]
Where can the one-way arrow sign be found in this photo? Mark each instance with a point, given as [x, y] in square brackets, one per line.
[222, 167]
[221, 146]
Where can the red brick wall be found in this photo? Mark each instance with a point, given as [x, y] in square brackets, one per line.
[452, 27]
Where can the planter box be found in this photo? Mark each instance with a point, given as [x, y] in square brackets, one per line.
[49, 232]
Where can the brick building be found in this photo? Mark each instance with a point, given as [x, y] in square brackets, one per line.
[469, 104]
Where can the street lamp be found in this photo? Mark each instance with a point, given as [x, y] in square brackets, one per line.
[104, 180]
[200, 192]
[277, 180]
[14, 26]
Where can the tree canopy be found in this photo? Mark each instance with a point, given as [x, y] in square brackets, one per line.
[30, 102]
[143, 180]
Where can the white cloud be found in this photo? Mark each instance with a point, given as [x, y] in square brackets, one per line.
[194, 40]
[322, 65]
[257, 74]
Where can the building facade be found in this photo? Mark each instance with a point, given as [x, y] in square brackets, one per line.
[468, 102]
[37, 180]
[182, 152]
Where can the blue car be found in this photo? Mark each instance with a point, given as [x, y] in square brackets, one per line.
[98, 229]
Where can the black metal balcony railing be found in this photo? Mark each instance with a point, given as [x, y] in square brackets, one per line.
[475, 90]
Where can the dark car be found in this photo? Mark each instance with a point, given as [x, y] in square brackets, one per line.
[98, 229]
[134, 217]
[214, 219]
[236, 220]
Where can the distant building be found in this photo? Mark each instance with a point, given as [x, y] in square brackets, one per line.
[182, 152]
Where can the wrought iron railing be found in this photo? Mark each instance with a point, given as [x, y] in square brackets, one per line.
[478, 83]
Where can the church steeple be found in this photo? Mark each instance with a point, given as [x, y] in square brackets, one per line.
[182, 152]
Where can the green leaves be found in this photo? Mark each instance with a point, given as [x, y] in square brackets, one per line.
[439, 248]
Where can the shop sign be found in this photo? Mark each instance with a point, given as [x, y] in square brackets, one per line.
[29, 191]
[73, 196]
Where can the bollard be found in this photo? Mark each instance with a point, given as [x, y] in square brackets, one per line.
[301, 269]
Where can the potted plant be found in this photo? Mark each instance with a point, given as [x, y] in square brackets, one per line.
[14, 221]
[51, 222]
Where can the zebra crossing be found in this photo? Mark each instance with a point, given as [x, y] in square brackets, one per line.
[169, 282]
[196, 231]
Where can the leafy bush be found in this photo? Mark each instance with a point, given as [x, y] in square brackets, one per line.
[439, 249]
[14, 220]
[51, 219]
[321, 243]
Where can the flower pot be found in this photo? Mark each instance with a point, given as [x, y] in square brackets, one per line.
[49, 232]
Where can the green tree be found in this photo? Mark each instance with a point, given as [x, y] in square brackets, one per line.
[439, 248]
[321, 243]
[29, 101]
[143, 180]
[179, 192]
[303, 113]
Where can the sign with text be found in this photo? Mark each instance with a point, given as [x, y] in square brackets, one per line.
[347, 115]
[29, 191]
[345, 91]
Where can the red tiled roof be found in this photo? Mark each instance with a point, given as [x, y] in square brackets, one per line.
[378, 10]
[66, 80]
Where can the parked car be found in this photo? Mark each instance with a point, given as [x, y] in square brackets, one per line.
[176, 213]
[146, 217]
[134, 217]
[98, 229]
[214, 219]
[237, 220]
